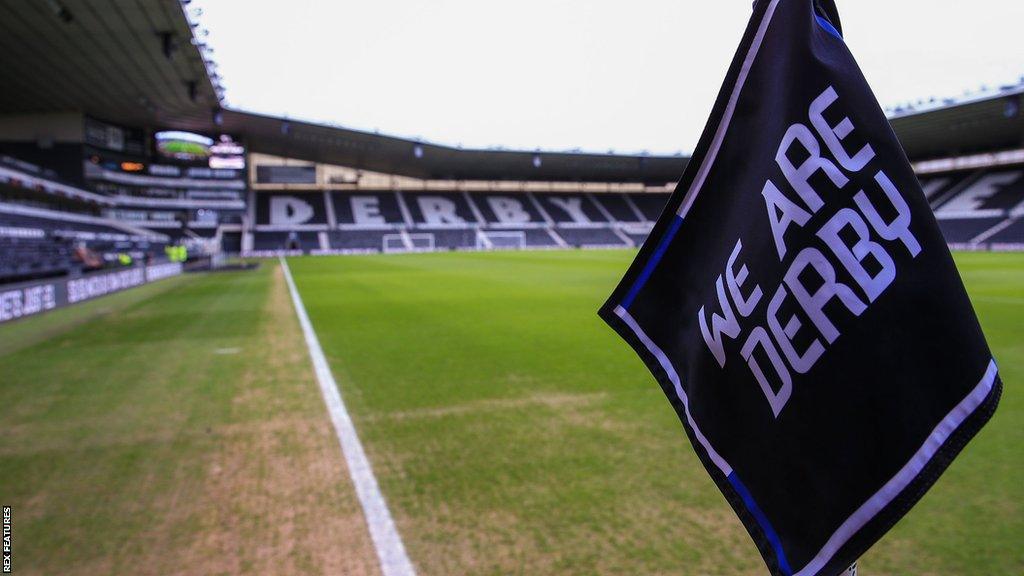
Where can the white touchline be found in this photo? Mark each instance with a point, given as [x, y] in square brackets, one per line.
[390, 550]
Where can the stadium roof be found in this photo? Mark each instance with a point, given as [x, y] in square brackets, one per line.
[130, 61]
[137, 62]
[365, 150]
[985, 122]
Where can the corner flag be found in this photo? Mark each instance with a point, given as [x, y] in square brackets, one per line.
[800, 308]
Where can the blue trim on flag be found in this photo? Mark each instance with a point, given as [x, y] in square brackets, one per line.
[769, 532]
[652, 263]
[828, 26]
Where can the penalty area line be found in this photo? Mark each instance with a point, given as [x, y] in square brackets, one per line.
[390, 551]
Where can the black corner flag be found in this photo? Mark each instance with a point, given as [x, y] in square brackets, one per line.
[800, 308]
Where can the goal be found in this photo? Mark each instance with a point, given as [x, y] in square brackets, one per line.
[394, 243]
[423, 242]
[500, 240]
[408, 242]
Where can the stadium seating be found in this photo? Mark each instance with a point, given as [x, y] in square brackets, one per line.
[538, 237]
[591, 237]
[510, 209]
[650, 205]
[55, 225]
[371, 209]
[937, 188]
[358, 239]
[636, 237]
[618, 207]
[971, 206]
[452, 220]
[439, 208]
[96, 233]
[19, 175]
[964, 230]
[449, 239]
[571, 208]
[32, 257]
[294, 210]
[977, 207]
[1013, 233]
[987, 194]
[271, 241]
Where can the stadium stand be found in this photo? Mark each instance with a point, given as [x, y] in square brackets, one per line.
[617, 207]
[973, 207]
[67, 225]
[592, 237]
[981, 206]
[286, 241]
[51, 227]
[937, 188]
[358, 240]
[544, 237]
[649, 205]
[446, 238]
[636, 236]
[985, 194]
[295, 211]
[30, 253]
[367, 209]
[266, 184]
[571, 209]
[440, 208]
[511, 209]
[964, 230]
[451, 220]
[1012, 234]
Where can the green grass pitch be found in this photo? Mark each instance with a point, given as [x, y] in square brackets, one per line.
[510, 430]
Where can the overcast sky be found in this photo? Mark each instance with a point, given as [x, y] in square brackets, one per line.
[553, 74]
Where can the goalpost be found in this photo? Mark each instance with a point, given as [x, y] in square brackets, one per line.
[500, 240]
[423, 242]
[393, 243]
[403, 242]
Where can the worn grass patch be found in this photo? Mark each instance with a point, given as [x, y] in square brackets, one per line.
[133, 445]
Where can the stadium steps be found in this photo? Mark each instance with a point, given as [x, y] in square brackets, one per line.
[992, 231]
[555, 236]
[956, 189]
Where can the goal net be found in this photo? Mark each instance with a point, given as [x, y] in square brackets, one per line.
[394, 243]
[500, 240]
[423, 242]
